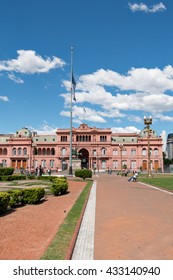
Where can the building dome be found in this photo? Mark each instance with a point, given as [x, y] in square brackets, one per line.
[24, 132]
[170, 136]
[144, 133]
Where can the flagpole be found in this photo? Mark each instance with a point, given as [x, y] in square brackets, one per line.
[70, 166]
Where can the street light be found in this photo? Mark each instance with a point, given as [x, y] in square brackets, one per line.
[121, 148]
[147, 122]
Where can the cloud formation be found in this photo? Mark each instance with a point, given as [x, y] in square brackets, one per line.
[28, 62]
[15, 79]
[119, 96]
[160, 7]
[4, 98]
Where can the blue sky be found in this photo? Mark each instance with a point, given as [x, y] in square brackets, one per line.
[122, 61]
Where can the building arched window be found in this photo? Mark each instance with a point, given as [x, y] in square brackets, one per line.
[5, 151]
[144, 152]
[52, 151]
[124, 152]
[25, 151]
[14, 151]
[19, 151]
[115, 152]
[44, 151]
[156, 152]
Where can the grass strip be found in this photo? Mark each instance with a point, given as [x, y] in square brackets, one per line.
[161, 182]
[58, 248]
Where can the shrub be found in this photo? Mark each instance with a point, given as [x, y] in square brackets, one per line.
[59, 186]
[6, 171]
[83, 173]
[16, 198]
[4, 201]
[50, 178]
[33, 195]
[12, 177]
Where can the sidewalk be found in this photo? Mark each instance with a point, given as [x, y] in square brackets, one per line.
[132, 221]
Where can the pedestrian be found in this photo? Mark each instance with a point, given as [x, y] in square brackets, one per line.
[134, 177]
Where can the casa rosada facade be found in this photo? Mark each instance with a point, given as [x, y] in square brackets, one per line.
[96, 148]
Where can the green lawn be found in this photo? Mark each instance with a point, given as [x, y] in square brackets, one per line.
[165, 182]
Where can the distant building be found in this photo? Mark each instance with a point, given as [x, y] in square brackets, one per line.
[97, 148]
[169, 147]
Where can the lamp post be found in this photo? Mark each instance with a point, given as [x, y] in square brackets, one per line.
[121, 148]
[148, 122]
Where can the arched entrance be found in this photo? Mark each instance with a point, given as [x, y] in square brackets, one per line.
[84, 156]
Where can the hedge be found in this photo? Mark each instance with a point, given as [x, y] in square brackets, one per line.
[6, 171]
[16, 198]
[4, 202]
[83, 173]
[33, 195]
[51, 178]
[59, 186]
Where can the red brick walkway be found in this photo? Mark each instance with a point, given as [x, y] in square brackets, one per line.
[26, 233]
[133, 221]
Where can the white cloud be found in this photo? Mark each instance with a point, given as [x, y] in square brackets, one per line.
[160, 7]
[15, 79]
[127, 129]
[81, 116]
[4, 98]
[44, 129]
[140, 91]
[29, 62]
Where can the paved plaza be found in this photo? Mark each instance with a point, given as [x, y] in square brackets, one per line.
[132, 221]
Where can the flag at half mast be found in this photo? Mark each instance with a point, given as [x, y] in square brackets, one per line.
[73, 86]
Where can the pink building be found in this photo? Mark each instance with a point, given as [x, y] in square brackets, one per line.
[96, 148]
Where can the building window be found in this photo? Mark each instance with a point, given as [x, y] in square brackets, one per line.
[115, 152]
[52, 151]
[103, 151]
[19, 151]
[51, 163]
[64, 151]
[156, 152]
[124, 152]
[133, 152]
[43, 163]
[103, 138]
[104, 164]
[4, 163]
[63, 138]
[133, 164]
[144, 152]
[25, 151]
[5, 152]
[115, 164]
[44, 151]
[36, 163]
[94, 153]
[14, 151]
